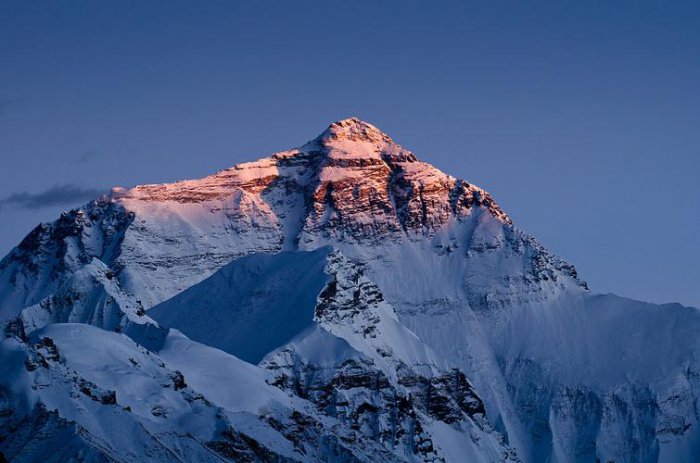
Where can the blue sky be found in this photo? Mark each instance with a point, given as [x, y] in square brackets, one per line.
[581, 118]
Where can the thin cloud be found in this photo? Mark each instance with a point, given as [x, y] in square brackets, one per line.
[57, 195]
[87, 156]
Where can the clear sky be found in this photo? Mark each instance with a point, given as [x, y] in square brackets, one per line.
[581, 118]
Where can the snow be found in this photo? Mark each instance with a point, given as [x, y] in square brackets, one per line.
[190, 234]
[317, 346]
[573, 335]
[12, 375]
[454, 447]
[230, 382]
[251, 306]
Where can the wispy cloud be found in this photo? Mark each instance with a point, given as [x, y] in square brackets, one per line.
[86, 156]
[67, 194]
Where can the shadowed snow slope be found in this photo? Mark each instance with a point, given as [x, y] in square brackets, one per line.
[251, 306]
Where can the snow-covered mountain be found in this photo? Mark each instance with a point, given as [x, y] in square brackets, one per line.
[342, 301]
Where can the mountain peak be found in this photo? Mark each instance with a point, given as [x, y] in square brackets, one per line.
[354, 129]
[359, 183]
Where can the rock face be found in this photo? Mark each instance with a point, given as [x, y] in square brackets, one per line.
[396, 312]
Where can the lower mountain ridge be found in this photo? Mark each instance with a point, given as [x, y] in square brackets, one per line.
[338, 302]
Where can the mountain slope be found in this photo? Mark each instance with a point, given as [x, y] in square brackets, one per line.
[116, 401]
[252, 305]
[410, 280]
[344, 350]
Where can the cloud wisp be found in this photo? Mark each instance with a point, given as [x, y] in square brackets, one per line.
[66, 194]
[86, 156]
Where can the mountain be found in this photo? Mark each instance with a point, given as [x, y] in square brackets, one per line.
[341, 301]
